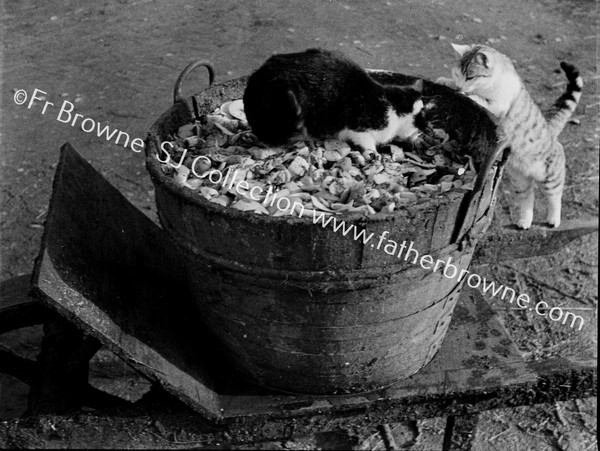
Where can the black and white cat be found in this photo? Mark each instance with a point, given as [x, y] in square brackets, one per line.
[321, 94]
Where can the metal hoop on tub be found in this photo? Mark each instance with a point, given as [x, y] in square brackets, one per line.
[189, 68]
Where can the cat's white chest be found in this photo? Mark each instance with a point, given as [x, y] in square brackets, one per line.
[398, 126]
[401, 127]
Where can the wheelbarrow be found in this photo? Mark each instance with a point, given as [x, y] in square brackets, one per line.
[108, 276]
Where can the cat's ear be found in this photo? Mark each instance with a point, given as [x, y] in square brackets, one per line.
[461, 49]
[483, 60]
[418, 85]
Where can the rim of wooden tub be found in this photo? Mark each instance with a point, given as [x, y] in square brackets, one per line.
[186, 110]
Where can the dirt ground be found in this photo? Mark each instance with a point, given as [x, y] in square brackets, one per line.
[117, 60]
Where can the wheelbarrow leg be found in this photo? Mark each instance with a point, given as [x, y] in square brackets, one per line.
[58, 377]
[460, 431]
[61, 382]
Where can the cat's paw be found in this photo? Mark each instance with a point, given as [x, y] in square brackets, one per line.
[553, 222]
[371, 155]
[446, 82]
[479, 100]
[554, 211]
[524, 223]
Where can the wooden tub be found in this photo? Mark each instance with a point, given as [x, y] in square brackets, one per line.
[302, 308]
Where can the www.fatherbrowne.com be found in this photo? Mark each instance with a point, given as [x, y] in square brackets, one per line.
[450, 271]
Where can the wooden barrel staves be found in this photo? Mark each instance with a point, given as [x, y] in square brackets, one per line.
[303, 308]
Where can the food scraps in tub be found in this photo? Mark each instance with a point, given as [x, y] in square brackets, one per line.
[222, 161]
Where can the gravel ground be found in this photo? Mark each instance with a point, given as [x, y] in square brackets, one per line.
[117, 60]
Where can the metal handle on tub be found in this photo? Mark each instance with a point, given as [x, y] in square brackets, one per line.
[487, 165]
[189, 68]
[500, 155]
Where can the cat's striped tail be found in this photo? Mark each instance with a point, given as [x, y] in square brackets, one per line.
[565, 105]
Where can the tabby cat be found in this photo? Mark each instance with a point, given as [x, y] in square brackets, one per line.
[490, 79]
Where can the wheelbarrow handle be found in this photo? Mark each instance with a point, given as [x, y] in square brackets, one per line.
[189, 68]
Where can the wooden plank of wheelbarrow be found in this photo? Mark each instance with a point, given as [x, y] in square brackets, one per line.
[502, 243]
[465, 387]
[106, 267]
[478, 367]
